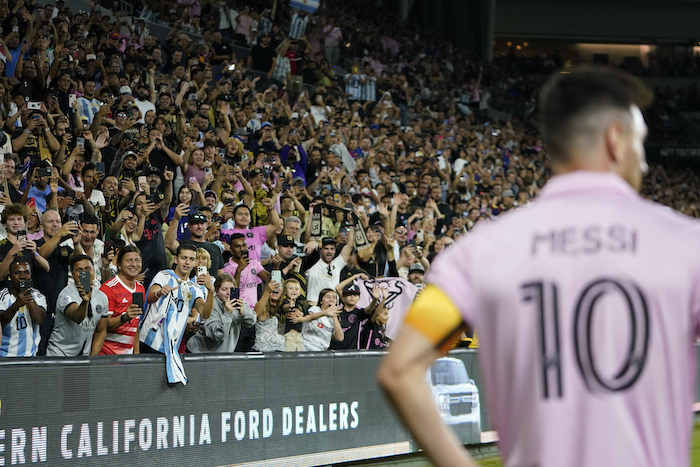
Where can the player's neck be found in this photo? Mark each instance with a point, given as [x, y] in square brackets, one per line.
[183, 276]
[128, 281]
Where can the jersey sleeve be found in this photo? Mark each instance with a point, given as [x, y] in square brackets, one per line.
[40, 300]
[435, 316]
[63, 302]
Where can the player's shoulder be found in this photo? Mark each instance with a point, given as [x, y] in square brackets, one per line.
[111, 285]
[5, 295]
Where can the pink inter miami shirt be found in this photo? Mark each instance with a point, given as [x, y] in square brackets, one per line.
[586, 304]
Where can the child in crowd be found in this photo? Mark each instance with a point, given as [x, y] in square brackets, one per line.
[293, 307]
[321, 325]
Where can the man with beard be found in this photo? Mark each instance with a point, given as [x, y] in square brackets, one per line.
[325, 272]
[146, 95]
[197, 224]
[89, 105]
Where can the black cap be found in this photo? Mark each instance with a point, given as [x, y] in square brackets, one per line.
[351, 289]
[152, 170]
[285, 240]
[197, 218]
[327, 241]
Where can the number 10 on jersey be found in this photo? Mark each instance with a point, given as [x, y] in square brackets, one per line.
[544, 297]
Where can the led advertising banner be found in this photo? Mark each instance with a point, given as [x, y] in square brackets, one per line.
[271, 409]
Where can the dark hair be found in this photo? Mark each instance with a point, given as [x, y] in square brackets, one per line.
[77, 258]
[235, 210]
[20, 261]
[125, 250]
[88, 166]
[15, 209]
[234, 236]
[185, 246]
[89, 219]
[323, 293]
[567, 99]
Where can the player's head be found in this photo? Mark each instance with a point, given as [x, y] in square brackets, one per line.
[20, 270]
[327, 298]
[185, 259]
[351, 295]
[241, 216]
[223, 285]
[239, 247]
[591, 120]
[81, 263]
[129, 262]
[14, 218]
[292, 288]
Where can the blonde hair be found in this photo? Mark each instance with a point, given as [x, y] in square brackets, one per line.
[202, 253]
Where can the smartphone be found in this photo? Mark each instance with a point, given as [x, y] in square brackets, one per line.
[235, 293]
[31, 202]
[155, 198]
[84, 278]
[72, 99]
[201, 270]
[24, 286]
[193, 179]
[244, 157]
[199, 144]
[80, 141]
[276, 276]
[137, 299]
[142, 180]
[74, 218]
[222, 153]
[286, 186]
[43, 172]
[101, 167]
[69, 194]
[208, 171]
[34, 105]
[21, 236]
[268, 160]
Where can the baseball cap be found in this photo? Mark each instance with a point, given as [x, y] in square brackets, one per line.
[210, 193]
[508, 194]
[152, 170]
[374, 126]
[197, 218]
[192, 97]
[89, 57]
[256, 172]
[130, 154]
[114, 35]
[265, 124]
[241, 132]
[125, 90]
[351, 289]
[327, 241]
[285, 240]
[416, 267]
[296, 180]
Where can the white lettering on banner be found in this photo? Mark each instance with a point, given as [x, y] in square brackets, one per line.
[19, 441]
[332, 417]
[65, 431]
[145, 434]
[39, 435]
[268, 423]
[299, 420]
[225, 425]
[84, 443]
[161, 433]
[129, 435]
[287, 421]
[101, 448]
[179, 431]
[250, 424]
[239, 425]
[204, 430]
[254, 421]
[311, 420]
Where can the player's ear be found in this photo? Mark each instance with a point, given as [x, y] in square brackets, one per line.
[614, 141]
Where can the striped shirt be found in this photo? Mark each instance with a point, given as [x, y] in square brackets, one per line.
[297, 26]
[173, 309]
[20, 337]
[282, 68]
[88, 108]
[369, 89]
[265, 25]
[353, 86]
[119, 297]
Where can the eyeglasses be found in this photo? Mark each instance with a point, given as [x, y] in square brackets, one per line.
[400, 232]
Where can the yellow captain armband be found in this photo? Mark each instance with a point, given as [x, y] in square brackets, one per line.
[435, 315]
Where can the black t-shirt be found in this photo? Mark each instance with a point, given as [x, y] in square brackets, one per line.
[160, 159]
[351, 322]
[217, 259]
[262, 57]
[152, 246]
[52, 282]
[220, 49]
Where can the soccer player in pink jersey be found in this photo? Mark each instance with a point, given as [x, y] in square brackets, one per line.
[587, 303]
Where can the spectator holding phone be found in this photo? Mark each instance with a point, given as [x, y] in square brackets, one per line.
[219, 333]
[117, 333]
[197, 224]
[256, 236]
[39, 187]
[79, 309]
[267, 335]
[16, 246]
[61, 242]
[34, 142]
[152, 243]
[22, 310]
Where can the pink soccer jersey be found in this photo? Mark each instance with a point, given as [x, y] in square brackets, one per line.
[586, 304]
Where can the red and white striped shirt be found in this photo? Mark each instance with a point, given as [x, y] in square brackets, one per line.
[119, 295]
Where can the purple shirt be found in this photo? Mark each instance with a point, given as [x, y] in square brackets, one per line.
[586, 304]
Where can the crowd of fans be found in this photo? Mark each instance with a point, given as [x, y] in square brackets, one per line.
[141, 179]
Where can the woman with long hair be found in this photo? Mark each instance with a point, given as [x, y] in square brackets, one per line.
[267, 334]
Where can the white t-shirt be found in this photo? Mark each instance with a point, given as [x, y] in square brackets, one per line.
[317, 334]
[319, 278]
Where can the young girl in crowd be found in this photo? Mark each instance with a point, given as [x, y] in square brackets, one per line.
[267, 336]
[293, 307]
[321, 324]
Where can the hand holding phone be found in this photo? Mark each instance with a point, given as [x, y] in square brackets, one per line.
[84, 278]
[137, 299]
